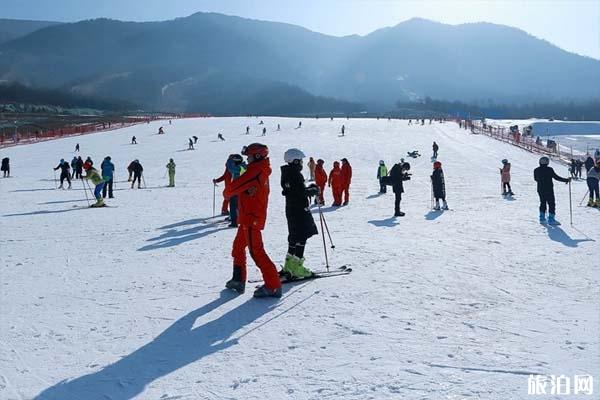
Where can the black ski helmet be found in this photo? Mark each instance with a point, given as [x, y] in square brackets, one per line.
[544, 160]
[405, 166]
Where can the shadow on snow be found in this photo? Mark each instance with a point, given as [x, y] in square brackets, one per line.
[556, 234]
[173, 237]
[179, 345]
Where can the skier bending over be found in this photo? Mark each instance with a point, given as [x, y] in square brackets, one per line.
[65, 173]
[92, 174]
[439, 186]
[505, 178]
[252, 190]
[544, 175]
[137, 170]
[399, 174]
[301, 225]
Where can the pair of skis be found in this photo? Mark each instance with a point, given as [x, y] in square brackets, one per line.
[343, 270]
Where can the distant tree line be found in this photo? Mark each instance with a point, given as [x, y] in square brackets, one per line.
[569, 110]
[16, 93]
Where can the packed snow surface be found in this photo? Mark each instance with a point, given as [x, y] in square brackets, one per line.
[128, 302]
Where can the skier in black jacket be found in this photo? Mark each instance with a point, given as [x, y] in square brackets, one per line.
[544, 175]
[65, 172]
[301, 224]
[79, 168]
[399, 174]
[5, 167]
[438, 186]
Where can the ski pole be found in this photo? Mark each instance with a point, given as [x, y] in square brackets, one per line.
[570, 204]
[214, 194]
[584, 196]
[323, 236]
[326, 227]
[85, 190]
[55, 182]
[144, 181]
[431, 187]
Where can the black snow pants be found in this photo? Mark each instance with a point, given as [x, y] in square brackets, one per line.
[547, 198]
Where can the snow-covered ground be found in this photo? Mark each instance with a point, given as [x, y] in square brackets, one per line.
[128, 302]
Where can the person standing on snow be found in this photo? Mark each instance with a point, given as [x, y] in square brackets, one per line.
[435, 149]
[79, 168]
[92, 174]
[73, 167]
[301, 224]
[589, 163]
[311, 168]
[544, 175]
[226, 177]
[252, 189]
[439, 186]
[381, 173]
[108, 170]
[346, 180]
[505, 178]
[5, 167]
[137, 170]
[171, 171]
[190, 144]
[335, 183]
[236, 167]
[76, 147]
[321, 181]
[399, 174]
[65, 173]
[133, 140]
[593, 177]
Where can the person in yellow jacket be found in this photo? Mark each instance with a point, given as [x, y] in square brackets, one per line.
[171, 170]
[92, 174]
[382, 172]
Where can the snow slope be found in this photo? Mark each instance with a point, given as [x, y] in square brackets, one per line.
[127, 302]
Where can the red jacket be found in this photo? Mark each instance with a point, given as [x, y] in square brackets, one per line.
[335, 176]
[346, 174]
[225, 177]
[252, 189]
[320, 175]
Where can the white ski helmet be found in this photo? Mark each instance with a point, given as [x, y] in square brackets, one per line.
[292, 155]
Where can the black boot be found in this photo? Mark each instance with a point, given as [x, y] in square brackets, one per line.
[236, 283]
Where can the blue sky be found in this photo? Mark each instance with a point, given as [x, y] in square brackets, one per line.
[572, 25]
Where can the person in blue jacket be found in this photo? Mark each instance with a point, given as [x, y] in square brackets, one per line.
[108, 169]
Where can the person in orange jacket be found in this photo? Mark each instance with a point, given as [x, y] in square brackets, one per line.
[252, 189]
[346, 179]
[335, 183]
[226, 177]
[320, 180]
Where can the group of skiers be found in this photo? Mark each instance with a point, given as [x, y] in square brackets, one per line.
[339, 180]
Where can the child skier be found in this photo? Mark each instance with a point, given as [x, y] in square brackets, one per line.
[252, 190]
[381, 173]
[236, 167]
[65, 172]
[320, 180]
[439, 186]
[301, 225]
[335, 183]
[544, 175]
[505, 178]
[92, 174]
[435, 149]
[593, 177]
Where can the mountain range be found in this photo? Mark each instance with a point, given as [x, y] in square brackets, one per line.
[225, 65]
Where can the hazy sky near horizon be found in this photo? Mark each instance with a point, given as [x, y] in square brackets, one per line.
[572, 25]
